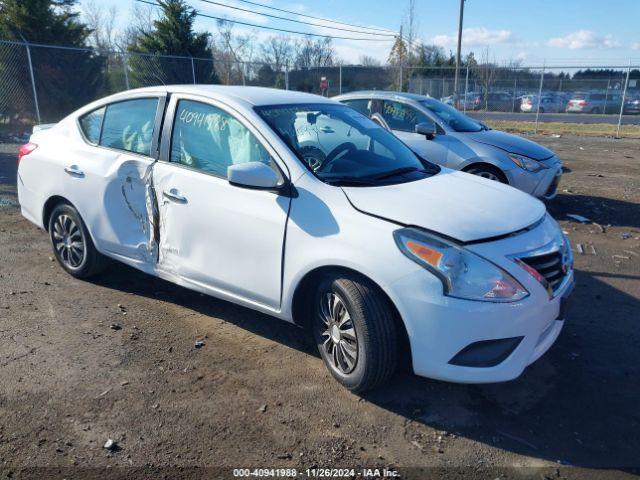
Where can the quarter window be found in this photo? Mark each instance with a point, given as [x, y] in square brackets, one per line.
[129, 125]
[209, 139]
[91, 123]
[402, 117]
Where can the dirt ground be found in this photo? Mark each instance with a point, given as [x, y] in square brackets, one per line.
[256, 394]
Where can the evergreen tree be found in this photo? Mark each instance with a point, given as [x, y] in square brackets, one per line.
[65, 79]
[172, 34]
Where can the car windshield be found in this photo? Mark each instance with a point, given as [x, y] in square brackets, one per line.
[452, 117]
[343, 147]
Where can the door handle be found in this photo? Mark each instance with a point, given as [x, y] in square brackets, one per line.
[327, 130]
[173, 196]
[74, 171]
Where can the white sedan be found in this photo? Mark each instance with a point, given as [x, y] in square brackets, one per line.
[382, 255]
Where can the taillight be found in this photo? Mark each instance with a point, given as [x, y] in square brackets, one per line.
[26, 149]
[582, 103]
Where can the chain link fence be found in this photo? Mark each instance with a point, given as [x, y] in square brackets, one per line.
[42, 83]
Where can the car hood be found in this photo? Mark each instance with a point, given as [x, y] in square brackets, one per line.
[455, 204]
[511, 143]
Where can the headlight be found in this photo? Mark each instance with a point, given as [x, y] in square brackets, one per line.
[526, 163]
[463, 273]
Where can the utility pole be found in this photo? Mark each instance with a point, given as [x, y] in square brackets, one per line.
[455, 81]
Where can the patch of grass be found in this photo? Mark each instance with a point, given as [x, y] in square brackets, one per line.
[585, 129]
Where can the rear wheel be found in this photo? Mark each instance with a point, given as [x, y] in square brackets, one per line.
[489, 172]
[72, 244]
[354, 330]
[595, 110]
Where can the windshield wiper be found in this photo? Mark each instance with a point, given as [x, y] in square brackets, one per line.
[346, 181]
[398, 171]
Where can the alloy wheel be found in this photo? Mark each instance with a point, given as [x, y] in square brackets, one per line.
[338, 334]
[68, 241]
[488, 175]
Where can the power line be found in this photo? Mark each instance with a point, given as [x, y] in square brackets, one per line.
[298, 21]
[315, 18]
[199, 14]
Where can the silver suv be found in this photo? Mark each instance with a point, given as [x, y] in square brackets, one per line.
[444, 135]
[594, 102]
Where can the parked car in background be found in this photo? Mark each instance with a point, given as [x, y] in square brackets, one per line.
[498, 102]
[380, 254]
[444, 135]
[550, 103]
[632, 105]
[594, 102]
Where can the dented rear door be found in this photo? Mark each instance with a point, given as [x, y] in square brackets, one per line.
[116, 179]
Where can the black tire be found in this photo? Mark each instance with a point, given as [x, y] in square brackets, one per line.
[371, 318]
[67, 231]
[595, 110]
[488, 171]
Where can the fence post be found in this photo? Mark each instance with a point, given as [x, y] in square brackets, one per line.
[624, 95]
[286, 76]
[535, 130]
[126, 68]
[466, 89]
[515, 88]
[33, 80]
[606, 96]
[193, 71]
[340, 84]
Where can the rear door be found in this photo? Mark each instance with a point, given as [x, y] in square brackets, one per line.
[402, 120]
[215, 235]
[114, 175]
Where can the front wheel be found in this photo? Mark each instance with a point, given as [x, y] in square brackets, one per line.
[490, 173]
[72, 244]
[354, 329]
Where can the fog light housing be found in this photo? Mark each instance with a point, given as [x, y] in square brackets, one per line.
[486, 353]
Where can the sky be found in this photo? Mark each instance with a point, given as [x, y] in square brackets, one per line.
[557, 32]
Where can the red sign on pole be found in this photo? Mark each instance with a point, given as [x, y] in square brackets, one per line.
[324, 84]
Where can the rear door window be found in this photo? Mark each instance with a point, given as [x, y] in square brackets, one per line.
[362, 105]
[129, 125]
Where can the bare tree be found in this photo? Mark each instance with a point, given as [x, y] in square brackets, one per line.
[142, 18]
[233, 54]
[312, 53]
[486, 71]
[368, 61]
[101, 21]
[277, 51]
[412, 27]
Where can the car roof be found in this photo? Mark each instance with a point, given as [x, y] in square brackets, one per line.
[248, 96]
[384, 94]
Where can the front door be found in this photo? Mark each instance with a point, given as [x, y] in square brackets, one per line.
[402, 120]
[215, 235]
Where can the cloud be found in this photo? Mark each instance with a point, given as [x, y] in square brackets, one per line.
[478, 36]
[636, 46]
[583, 39]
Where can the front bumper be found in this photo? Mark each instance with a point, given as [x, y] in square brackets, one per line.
[541, 184]
[440, 327]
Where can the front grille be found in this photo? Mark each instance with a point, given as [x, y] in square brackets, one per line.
[549, 266]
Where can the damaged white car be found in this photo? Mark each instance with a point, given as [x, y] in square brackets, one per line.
[382, 255]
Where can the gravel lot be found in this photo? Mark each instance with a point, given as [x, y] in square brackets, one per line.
[256, 394]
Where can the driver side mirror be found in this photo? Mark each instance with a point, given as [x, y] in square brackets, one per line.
[252, 175]
[426, 129]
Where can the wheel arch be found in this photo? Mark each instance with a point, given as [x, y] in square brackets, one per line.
[51, 203]
[301, 303]
[483, 164]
